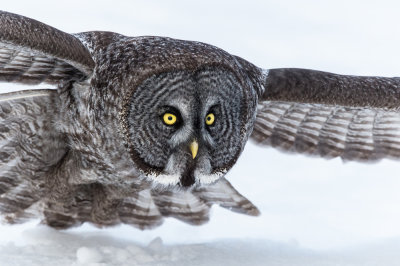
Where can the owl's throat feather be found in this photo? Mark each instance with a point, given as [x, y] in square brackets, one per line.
[187, 177]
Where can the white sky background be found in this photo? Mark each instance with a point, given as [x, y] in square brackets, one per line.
[312, 202]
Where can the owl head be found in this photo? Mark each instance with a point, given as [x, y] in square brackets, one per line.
[185, 127]
[186, 108]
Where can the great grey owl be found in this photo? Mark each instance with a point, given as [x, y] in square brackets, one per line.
[145, 127]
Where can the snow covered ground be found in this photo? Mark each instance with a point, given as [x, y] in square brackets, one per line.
[314, 212]
[44, 246]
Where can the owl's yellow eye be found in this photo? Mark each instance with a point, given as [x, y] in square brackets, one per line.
[210, 118]
[169, 119]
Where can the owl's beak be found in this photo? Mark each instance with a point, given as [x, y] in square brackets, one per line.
[194, 147]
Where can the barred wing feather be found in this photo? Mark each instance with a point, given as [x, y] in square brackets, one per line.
[352, 133]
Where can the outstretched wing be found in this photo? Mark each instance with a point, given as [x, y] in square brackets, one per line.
[147, 208]
[32, 52]
[329, 115]
[30, 147]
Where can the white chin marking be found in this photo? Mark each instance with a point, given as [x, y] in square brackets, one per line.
[169, 177]
[206, 179]
[166, 180]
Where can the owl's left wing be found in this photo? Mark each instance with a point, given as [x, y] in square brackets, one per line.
[329, 115]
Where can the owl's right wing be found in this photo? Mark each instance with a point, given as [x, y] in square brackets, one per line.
[329, 115]
[30, 149]
[32, 52]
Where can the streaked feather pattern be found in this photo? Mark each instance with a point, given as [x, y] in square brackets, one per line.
[34, 68]
[182, 205]
[33, 52]
[223, 194]
[140, 210]
[352, 133]
[146, 209]
[29, 149]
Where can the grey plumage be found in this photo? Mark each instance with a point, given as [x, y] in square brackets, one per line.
[330, 115]
[329, 131]
[141, 128]
[30, 148]
[310, 86]
[32, 52]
